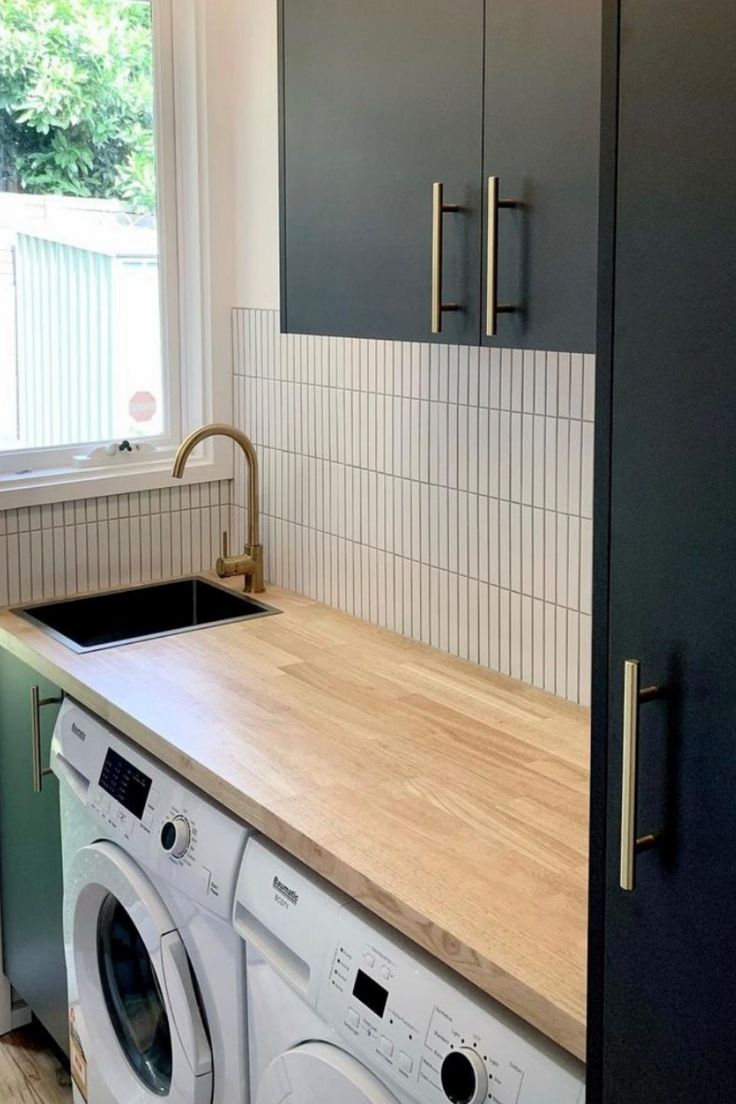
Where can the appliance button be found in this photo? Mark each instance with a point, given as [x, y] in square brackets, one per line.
[370, 960]
[150, 808]
[206, 880]
[386, 1047]
[353, 1019]
[405, 1062]
[385, 972]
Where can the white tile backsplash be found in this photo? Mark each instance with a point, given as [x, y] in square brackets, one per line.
[443, 492]
[92, 544]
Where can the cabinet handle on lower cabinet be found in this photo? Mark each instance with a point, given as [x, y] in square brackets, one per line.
[493, 307]
[439, 210]
[37, 704]
[634, 696]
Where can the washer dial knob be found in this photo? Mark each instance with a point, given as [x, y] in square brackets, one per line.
[176, 835]
[464, 1077]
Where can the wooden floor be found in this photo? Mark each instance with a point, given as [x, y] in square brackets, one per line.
[30, 1073]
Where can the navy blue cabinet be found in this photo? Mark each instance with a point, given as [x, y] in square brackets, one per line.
[662, 1013]
[380, 101]
[541, 141]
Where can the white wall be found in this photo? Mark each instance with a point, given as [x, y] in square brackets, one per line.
[254, 135]
[218, 122]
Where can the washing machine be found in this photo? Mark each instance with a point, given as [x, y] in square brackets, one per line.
[156, 974]
[343, 1010]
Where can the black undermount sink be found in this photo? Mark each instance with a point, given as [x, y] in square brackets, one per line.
[141, 612]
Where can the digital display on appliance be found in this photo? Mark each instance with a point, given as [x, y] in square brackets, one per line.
[125, 783]
[370, 993]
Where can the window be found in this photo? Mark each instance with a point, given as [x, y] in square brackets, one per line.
[98, 196]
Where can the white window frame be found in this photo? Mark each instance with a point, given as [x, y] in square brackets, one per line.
[198, 388]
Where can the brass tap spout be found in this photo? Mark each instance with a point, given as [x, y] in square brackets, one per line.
[250, 565]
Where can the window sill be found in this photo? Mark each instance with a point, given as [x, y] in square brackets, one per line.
[67, 484]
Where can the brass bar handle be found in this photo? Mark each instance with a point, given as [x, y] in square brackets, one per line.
[37, 704]
[493, 307]
[631, 845]
[439, 210]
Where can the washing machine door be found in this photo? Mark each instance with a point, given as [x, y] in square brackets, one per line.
[319, 1073]
[145, 1038]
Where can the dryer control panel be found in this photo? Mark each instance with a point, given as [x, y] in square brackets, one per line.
[428, 1031]
[428, 1034]
[169, 828]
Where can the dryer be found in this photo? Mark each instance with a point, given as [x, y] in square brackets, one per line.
[344, 1010]
[156, 974]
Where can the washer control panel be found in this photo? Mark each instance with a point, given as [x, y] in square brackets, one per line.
[429, 1032]
[164, 824]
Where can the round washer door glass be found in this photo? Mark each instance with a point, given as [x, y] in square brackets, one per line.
[133, 997]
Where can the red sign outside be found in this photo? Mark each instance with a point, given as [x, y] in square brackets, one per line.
[142, 406]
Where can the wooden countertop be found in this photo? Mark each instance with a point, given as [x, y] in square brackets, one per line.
[450, 801]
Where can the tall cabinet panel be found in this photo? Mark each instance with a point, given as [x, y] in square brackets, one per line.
[542, 123]
[30, 851]
[380, 100]
[663, 936]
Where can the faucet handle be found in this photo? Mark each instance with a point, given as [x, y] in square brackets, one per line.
[224, 547]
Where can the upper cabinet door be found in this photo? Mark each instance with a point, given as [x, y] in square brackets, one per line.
[542, 122]
[379, 101]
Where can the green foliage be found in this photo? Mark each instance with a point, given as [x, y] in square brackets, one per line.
[76, 99]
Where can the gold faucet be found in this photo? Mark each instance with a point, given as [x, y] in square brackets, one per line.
[250, 564]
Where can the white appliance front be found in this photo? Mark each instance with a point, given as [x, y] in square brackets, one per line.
[156, 974]
[138, 1008]
[317, 1072]
[390, 1024]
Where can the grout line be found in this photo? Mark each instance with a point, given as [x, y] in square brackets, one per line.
[420, 562]
[420, 482]
[394, 394]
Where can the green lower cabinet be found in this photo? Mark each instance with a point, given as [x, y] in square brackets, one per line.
[30, 852]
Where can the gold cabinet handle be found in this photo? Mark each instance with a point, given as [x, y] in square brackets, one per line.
[439, 210]
[631, 845]
[37, 704]
[493, 307]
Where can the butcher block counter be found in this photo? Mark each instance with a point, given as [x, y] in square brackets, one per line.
[450, 801]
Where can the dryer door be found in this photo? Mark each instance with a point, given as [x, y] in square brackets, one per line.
[144, 1035]
[318, 1073]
